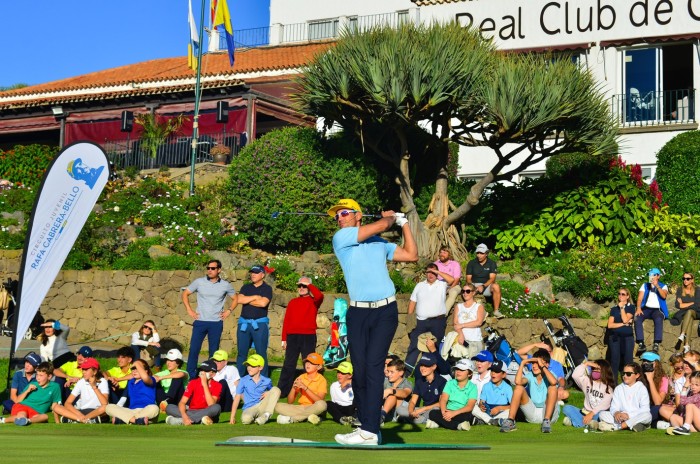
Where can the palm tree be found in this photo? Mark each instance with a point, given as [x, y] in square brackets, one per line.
[156, 131]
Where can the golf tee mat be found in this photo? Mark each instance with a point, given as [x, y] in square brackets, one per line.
[284, 442]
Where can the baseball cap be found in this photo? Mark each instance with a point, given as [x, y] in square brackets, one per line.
[345, 367]
[427, 359]
[465, 364]
[650, 356]
[654, 271]
[345, 203]
[257, 269]
[314, 358]
[207, 366]
[482, 248]
[173, 354]
[85, 351]
[255, 360]
[89, 363]
[498, 366]
[422, 339]
[483, 355]
[220, 355]
[33, 359]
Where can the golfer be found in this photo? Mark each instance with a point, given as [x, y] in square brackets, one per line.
[373, 314]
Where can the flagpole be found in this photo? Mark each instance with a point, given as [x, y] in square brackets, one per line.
[197, 98]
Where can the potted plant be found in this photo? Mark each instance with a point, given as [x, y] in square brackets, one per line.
[220, 154]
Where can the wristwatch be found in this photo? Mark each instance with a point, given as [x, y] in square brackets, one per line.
[393, 391]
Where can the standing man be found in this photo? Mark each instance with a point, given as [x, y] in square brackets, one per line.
[253, 325]
[482, 273]
[299, 330]
[373, 313]
[209, 318]
[428, 302]
[445, 263]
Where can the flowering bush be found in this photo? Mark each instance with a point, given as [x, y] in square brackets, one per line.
[520, 303]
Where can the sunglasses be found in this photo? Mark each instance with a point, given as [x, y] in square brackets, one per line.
[466, 291]
[622, 294]
[302, 286]
[628, 374]
[133, 368]
[687, 278]
[344, 213]
[212, 268]
[148, 327]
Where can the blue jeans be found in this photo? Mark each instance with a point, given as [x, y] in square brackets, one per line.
[246, 339]
[200, 329]
[574, 413]
[370, 332]
[649, 313]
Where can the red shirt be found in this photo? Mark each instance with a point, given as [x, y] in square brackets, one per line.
[300, 317]
[195, 392]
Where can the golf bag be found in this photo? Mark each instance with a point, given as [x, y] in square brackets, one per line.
[575, 349]
[337, 350]
[501, 349]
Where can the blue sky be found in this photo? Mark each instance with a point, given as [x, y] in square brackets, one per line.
[47, 40]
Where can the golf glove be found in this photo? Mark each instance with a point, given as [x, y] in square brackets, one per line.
[401, 219]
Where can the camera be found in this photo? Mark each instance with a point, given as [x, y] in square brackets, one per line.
[648, 366]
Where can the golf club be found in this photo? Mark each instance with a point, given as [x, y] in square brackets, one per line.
[277, 214]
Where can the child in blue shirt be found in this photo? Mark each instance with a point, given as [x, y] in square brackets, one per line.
[255, 390]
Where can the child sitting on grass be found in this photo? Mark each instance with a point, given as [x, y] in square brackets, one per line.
[37, 399]
[259, 398]
[397, 389]
[92, 394]
[456, 401]
[310, 390]
[495, 398]
[630, 404]
[340, 407]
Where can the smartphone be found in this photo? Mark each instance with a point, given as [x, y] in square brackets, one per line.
[651, 278]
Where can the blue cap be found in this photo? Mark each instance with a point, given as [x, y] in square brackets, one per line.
[650, 356]
[257, 269]
[86, 351]
[654, 271]
[33, 359]
[483, 355]
[427, 359]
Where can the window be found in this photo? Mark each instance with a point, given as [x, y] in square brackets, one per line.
[402, 17]
[323, 29]
[658, 84]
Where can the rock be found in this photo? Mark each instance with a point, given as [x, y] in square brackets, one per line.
[541, 285]
[311, 257]
[228, 260]
[565, 299]
[159, 251]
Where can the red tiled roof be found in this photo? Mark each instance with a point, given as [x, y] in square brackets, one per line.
[253, 60]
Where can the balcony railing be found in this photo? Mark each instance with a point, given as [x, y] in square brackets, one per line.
[654, 108]
[176, 151]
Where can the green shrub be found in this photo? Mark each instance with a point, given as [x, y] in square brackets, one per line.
[26, 164]
[678, 173]
[577, 168]
[518, 302]
[295, 170]
[173, 263]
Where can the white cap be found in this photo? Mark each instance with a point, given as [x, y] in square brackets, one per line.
[482, 248]
[465, 364]
[173, 355]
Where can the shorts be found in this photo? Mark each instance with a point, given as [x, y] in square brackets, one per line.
[487, 290]
[17, 408]
[535, 415]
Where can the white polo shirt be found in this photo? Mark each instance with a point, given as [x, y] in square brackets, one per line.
[429, 299]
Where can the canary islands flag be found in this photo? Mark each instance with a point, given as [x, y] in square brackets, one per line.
[193, 46]
[223, 18]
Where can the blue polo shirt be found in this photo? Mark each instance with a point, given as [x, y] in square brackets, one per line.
[364, 264]
[252, 392]
[496, 395]
[210, 297]
[429, 392]
[20, 382]
[141, 395]
[537, 391]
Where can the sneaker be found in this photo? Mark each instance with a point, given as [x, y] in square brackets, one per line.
[679, 342]
[678, 431]
[498, 315]
[640, 427]
[546, 426]
[358, 437]
[686, 348]
[641, 348]
[91, 421]
[662, 425]
[263, 418]
[314, 419]
[479, 421]
[65, 420]
[593, 425]
[284, 419]
[495, 422]
[464, 426]
[655, 348]
[567, 422]
[431, 424]
[607, 427]
[172, 420]
[508, 425]
[22, 421]
[206, 420]
[163, 404]
[2, 420]
[356, 422]
[141, 421]
[346, 420]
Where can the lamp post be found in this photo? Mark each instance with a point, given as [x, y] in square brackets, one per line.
[60, 116]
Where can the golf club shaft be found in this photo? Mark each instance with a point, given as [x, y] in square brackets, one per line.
[277, 214]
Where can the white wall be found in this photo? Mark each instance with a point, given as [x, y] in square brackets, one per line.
[300, 11]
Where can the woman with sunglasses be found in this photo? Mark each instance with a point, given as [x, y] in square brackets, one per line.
[468, 319]
[141, 392]
[148, 340]
[621, 338]
[688, 304]
[629, 409]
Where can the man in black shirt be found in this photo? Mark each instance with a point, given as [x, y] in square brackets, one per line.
[254, 325]
[482, 273]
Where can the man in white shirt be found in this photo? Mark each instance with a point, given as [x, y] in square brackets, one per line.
[228, 377]
[428, 302]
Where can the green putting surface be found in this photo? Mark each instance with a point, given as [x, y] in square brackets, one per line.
[281, 442]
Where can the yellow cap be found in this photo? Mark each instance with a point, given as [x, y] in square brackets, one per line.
[220, 355]
[345, 367]
[345, 203]
[255, 360]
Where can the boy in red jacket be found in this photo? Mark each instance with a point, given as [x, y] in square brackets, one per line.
[299, 330]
